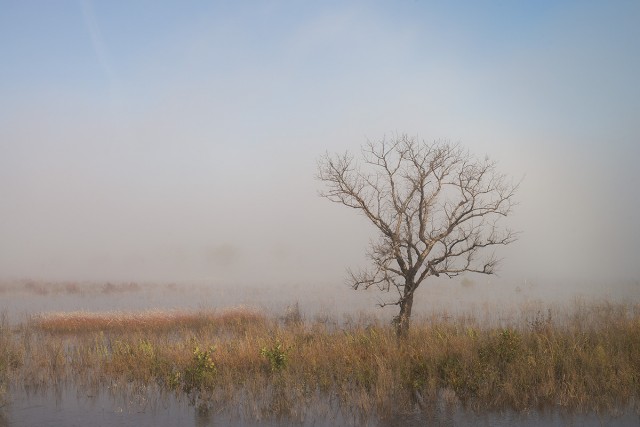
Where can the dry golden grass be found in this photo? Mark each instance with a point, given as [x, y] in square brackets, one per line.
[586, 358]
[151, 320]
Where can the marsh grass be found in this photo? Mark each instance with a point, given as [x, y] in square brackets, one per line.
[584, 359]
[83, 322]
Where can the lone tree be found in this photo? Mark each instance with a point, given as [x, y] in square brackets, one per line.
[436, 208]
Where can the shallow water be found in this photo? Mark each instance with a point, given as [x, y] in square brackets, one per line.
[69, 405]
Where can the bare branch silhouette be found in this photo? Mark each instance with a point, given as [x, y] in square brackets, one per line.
[437, 208]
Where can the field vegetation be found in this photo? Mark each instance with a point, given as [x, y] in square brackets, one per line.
[584, 359]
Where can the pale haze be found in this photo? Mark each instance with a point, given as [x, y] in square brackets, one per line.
[164, 142]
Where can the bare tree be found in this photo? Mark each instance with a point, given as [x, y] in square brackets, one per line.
[436, 207]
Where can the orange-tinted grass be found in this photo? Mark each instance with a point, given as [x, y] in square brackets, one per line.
[153, 320]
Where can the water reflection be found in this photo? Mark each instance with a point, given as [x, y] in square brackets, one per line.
[70, 405]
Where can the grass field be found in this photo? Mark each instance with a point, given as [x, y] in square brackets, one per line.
[583, 358]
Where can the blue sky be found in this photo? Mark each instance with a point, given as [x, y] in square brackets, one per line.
[160, 141]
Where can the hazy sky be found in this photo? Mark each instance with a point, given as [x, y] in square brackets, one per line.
[176, 141]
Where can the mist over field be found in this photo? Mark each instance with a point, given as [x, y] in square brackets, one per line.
[161, 142]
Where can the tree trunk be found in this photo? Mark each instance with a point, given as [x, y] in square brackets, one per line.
[402, 320]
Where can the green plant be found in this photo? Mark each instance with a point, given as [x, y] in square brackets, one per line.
[145, 348]
[452, 372]
[501, 349]
[276, 355]
[418, 375]
[509, 346]
[201, 371]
